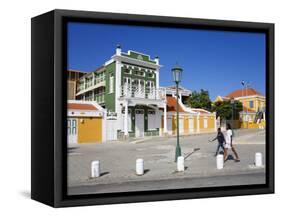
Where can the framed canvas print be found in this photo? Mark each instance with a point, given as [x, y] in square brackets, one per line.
[134, 108]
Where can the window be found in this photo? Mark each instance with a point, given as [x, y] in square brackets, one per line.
[251, 103]
[111, 83]
[150, 75]
[139, 73]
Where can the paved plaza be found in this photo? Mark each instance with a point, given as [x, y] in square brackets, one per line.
[118, 158]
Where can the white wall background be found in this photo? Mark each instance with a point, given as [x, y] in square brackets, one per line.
[15, 106]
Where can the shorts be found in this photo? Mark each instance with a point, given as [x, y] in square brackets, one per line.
[227, 145]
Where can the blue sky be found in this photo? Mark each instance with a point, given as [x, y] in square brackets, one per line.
[216, 61]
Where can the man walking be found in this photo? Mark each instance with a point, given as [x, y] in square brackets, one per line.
[221, 141]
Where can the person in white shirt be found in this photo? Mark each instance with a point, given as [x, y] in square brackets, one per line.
[228, 144]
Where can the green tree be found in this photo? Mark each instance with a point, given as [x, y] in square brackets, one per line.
[200, 100]
[224, 109]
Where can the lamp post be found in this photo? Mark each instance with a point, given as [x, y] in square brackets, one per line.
[245, 86]
[177, 73]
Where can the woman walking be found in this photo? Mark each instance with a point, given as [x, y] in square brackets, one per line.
[228, 144]
[221, 141]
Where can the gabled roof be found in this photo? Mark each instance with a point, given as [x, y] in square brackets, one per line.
[79, 106]
[172, 104]
[243, 92]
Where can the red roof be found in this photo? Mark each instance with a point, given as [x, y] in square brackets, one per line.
[172, 104]
[243, 92]
[80, 106]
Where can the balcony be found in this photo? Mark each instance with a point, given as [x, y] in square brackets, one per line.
[99, 98]
[141, 92]
[91, 86]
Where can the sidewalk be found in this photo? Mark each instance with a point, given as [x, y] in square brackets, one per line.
[117, 160]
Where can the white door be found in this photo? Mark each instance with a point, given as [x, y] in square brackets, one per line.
[181, 129]
[191, 125]
[72, 130]
[139, 125]
[111, 130]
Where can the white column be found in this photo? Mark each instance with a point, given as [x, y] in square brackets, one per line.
[126, 119]
[117, 87]
[118, 50]
[104, 120]
[165, 119]
[215, 124]
[157, 78]
[198, 123]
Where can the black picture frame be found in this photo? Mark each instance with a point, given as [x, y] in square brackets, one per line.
[48, 147]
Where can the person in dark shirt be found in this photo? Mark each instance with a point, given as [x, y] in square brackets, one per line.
[221, 141]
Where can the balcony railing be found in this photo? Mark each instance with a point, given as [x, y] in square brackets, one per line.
[99, 98]
[142, 92]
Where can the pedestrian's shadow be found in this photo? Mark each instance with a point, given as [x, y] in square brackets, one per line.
[189, 154]
[229, 157]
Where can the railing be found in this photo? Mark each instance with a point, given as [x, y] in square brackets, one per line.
[99, 98]
[142, 92]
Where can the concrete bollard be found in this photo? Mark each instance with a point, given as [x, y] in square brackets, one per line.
[180, 164]
[139, 167]
[219, 161]
[258, 159]
[95, 169]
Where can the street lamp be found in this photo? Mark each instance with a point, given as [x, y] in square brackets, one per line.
[177, 73]
[245, 85]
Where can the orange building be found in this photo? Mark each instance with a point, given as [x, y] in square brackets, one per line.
[191, 120]
[85, 122]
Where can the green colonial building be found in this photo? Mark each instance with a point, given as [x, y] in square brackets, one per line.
[127, 86]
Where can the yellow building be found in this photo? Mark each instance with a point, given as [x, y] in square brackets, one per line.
[254, 104]
[191, 120]
[85, 122]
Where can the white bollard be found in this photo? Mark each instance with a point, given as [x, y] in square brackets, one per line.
[219, 161]
[180, 164]
[139, 167]
[258, 159]
[95, 169]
